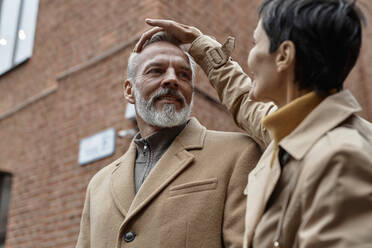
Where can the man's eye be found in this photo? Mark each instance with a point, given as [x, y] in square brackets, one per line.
[185, 75]
[155, 71]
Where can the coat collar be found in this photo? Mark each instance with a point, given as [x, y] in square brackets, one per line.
[193, 136]
[284, 120]
[327, 115]
[171, 164]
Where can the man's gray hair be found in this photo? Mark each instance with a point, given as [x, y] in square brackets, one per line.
[160, 36]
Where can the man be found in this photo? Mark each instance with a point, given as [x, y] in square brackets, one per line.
[312, 187]
[178, 185]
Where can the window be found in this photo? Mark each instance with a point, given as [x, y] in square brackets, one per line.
[17, 29]
[5, 183]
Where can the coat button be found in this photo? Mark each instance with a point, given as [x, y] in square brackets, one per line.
[129, 236]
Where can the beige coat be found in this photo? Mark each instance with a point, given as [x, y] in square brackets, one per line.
[192, 198]
[331, 205]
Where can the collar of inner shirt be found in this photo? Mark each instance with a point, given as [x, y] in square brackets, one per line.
[159, 141]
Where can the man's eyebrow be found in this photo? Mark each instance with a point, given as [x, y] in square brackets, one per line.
[154, 63]
[186, 68]
[161, 64]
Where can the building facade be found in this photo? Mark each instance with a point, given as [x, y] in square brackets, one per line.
[71, 88]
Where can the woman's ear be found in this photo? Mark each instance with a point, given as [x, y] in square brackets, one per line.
[129, 92]
[286, 55]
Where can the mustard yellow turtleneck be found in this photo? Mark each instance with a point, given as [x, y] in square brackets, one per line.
[283, 121]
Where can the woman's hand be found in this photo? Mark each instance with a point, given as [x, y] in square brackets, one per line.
[185, 34]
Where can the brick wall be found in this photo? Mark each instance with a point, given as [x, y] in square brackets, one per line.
[72, 88]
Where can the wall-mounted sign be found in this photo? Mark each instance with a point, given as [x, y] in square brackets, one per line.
[97, 146]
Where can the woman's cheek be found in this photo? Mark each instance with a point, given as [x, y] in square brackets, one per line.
[250, 55]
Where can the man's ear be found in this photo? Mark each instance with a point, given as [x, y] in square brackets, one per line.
[129, 92]
[286, 55]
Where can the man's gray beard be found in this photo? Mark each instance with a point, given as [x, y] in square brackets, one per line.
[168, 115]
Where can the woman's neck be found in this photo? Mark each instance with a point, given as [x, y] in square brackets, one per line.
[291, 93]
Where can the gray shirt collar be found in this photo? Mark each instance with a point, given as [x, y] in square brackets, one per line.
[159, 141]
[150, 149]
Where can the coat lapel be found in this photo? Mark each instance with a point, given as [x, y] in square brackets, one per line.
[173, 162]
[261, 183]
[122, 181]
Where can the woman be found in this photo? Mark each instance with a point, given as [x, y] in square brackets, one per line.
[313, 185]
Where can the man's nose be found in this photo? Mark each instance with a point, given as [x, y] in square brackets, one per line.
[170, 79]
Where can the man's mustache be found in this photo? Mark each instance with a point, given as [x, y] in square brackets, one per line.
[162, 92]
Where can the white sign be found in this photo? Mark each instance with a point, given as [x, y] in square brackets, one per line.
[97, 146]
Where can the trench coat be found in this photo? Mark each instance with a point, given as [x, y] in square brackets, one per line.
[193, 197]
[331, 150]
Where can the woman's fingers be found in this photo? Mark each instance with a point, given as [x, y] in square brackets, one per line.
[144, 37]
[184, 33]
[160, 23]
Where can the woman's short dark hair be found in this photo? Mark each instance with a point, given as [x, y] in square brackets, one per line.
[327, 35]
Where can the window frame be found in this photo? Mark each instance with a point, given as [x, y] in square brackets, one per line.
[17, 32]
[5, 192]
